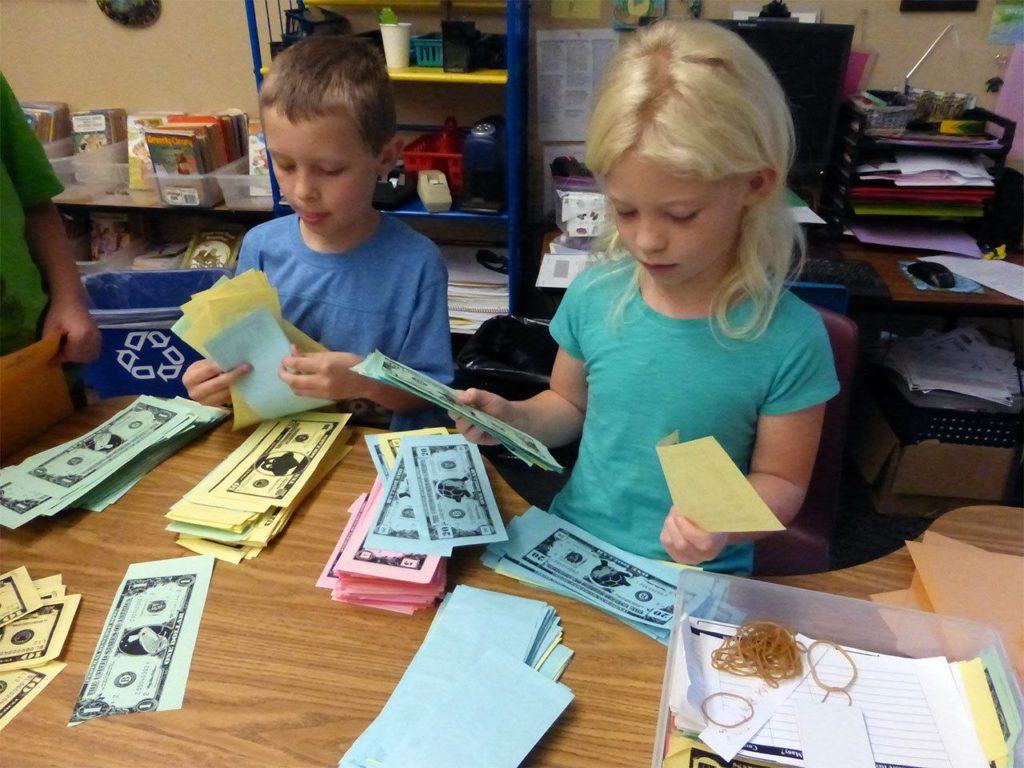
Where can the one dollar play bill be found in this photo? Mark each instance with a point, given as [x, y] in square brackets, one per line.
[382, 368]
[144, 653]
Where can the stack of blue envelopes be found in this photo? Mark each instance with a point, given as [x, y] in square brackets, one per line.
[490, 663]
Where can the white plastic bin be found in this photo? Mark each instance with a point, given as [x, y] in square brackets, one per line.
[103, 172]
[858, 623]
[59, 148]
[245, 191]
[200, 190]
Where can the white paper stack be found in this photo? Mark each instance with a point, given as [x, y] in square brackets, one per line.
[477, 290]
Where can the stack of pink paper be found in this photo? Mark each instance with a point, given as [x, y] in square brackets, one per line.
[390, 580]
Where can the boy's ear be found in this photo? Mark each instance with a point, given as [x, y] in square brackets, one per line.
[389, 155]
[761, 184]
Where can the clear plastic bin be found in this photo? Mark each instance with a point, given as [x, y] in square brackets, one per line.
[200, 190]
[59, 148]
[102, 172]
[844, 620]
[244, 191]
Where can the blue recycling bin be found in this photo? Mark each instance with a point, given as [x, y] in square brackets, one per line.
[135, 312]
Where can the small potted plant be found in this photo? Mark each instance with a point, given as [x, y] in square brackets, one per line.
[396, 36]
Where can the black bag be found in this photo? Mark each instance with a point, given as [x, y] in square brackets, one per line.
[510, 356]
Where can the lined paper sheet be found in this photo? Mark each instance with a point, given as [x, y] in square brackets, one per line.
[915, 715]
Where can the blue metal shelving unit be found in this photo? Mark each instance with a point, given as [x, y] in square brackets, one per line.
[517, 23]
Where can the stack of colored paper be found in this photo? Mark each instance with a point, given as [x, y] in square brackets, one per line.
[984, 586]
[436, 497]
[393, 581]
[548, 552]
[489, 664]
[381, 368]
[35, 618]
[239, 321]
[920, 183]
[248, 499]
[96, 469]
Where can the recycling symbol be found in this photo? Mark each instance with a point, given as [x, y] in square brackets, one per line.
[138, 342]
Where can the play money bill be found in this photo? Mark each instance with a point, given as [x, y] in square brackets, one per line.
[37, 637]
[394, 526]
[277, 466]
[456, 505]
[19, 687]
[18, 595]
[143, 656]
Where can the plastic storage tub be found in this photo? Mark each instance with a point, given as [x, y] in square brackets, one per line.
[201, 190]
[437, 152]
[103, 172]
[134, 312]
[428, 50]
[858, 623]
[244, 191]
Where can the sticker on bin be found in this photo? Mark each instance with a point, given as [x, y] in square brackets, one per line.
[137, 343]
[180, 195]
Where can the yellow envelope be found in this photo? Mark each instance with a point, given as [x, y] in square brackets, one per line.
[34, 394]
[709, 489]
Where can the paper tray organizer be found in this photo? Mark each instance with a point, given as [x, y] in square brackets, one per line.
[844, 620]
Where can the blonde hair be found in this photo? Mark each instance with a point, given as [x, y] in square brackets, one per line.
[328, 75]
[692, 97]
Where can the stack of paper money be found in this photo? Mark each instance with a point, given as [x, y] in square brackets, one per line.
[143, 656]
[393, 581]
[489, 667]
[548, 552]
[238, 321]
[35, 618]
[437, 496]
[381, 368]
[95, 470]
[238, 508]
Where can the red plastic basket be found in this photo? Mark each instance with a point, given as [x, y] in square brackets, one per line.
[438, 152]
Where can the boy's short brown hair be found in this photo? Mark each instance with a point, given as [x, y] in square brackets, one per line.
[331, 74]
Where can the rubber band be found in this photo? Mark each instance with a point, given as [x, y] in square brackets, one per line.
[710, 719]
[760, 649]
[830, 689]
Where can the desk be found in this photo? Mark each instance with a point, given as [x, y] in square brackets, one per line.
[282, 676]
[905, 298]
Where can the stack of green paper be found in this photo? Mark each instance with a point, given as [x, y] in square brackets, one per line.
[489, 664]
[383, 369]
[238, 320]
[95, 470]
[548, 552]
[248, 499]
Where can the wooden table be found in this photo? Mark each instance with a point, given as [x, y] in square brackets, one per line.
[282, 676]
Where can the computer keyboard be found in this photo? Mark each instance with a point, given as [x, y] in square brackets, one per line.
[859, 277]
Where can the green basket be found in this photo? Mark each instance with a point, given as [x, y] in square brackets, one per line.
[428, 51]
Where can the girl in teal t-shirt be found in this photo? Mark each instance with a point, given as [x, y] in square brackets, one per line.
[687, 326]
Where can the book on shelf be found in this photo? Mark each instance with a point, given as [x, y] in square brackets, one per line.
[51, 120]
[140, 165]
[96, 128]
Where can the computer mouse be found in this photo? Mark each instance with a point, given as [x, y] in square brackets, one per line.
[932, 273]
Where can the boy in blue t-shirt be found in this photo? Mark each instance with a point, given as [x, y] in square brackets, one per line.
[348, 276]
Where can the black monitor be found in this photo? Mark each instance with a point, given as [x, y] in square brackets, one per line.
[810, 62]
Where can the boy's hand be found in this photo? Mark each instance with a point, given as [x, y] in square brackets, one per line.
[489, 403]
[83, 340]
[686, 542]
[208, 384]
[324, 375]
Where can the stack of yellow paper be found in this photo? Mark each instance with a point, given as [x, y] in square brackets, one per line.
[229, 303]
[35, 618]
[248, 499]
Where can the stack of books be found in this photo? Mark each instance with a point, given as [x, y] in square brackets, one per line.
[477, 285]
[197, 144]
[51, 120]
[97, 128]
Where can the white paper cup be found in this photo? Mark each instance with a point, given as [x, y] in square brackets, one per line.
[396, 44]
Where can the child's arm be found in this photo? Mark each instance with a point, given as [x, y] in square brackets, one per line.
[780, 471]
[68, 313]
[327, 375]
[555, 416]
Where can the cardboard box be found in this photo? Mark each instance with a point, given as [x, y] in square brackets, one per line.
[931, 477]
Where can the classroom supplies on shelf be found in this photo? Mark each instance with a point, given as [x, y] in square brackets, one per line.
[438, 152]
[477, 285]
[97, 468]
[97, 128]
[907, 680]
[491, 662]
[51, 122]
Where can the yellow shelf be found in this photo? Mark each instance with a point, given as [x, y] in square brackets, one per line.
[438, 75]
